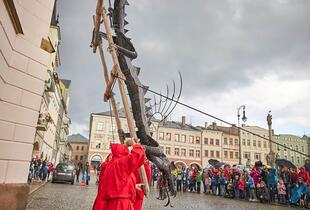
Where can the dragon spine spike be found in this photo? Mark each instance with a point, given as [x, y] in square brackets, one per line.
[126, 30]
[125, 22]
[145, 89]
[137, 70]
[127, 3]
[147, 100]
[148, 108]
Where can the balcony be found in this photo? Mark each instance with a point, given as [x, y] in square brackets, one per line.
[42, 123]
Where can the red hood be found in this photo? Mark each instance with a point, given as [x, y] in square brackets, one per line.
[119, 150]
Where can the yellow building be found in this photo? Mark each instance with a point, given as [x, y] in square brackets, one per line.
[79, 145]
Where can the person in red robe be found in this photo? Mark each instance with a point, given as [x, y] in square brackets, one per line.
[118, 180]
[99, 202]
[140, 195]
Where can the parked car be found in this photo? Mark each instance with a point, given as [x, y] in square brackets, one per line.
[64, 172]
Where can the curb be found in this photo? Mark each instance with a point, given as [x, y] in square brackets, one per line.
[37, 188]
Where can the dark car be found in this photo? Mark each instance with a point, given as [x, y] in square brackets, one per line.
[64, 172]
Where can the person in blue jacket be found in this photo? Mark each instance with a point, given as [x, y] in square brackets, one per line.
[299, 191]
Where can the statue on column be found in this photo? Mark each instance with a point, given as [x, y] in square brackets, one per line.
[271, 156]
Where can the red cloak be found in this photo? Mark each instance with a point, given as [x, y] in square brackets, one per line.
[140, 195]
[118, 181]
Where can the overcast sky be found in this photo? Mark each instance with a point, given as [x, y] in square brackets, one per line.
[230, 52]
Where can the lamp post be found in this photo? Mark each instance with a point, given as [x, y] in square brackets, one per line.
[244, 118]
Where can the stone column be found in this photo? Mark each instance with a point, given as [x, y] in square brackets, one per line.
[271, 156]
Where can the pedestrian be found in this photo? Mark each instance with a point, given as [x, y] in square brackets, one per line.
[241, 186]
[198, 180]
[281, 192]
[45, 171]
[251, 185]
[207, 184]
[214, 185]
[179, 181]
[86, 171]
[222, 182]
[272, 183]
[50, 170]
[262, 192]
[77, 173]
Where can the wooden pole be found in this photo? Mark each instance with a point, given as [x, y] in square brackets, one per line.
[120, 131]
[121, 85]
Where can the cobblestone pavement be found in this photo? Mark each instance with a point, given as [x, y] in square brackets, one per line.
[77, 197]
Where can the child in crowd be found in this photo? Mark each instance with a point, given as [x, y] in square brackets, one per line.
[281, 192]
[262, 192]
[207, 184]
[241, 187]
[251, 185]
[214, 185]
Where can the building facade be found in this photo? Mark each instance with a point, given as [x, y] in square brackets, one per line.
[293, 142]
[181, 142]
[24, 28]
[53, 123]
[254, 148]
[79, 145]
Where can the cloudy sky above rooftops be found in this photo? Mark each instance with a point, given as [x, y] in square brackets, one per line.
[229, 52]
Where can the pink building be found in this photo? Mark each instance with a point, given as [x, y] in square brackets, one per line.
[24, 57]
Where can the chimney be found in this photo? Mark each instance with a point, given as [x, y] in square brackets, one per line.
[206, 124]
[183, 120]
[165, 121]
[214, 125]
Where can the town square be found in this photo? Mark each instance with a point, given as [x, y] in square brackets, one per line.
[130, 105]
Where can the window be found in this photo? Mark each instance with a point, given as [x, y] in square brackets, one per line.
[176, 151]
[197, 140]
[183, 138]
[191, 139]
[212, 141]
[291, 146]
[247, 155]
[10, 7]
[82, 148]
[191, 153]
[168, 150]
[77, 147]
[236, 142]
[100, 126]
[298, 160]
[225, 154]
[259, 144]
[212, 153]
[231, 141]
[206, 140]
[161, 135]
[206, 153]
[197, 153]
[285, 147]
[248, 142]
[265, 146]
[168, 136]
[292, 159]
[225, 141]
[254, 143]
[217, 142]
[217, 154]
[98, 145]
[257, 156]
[81, 157]
[113, 127]
[302, 149]
[243, 142]
[183, 152]
[236, 155]
[177, 137]
[231, 155]
[297, 147]
[76, 157]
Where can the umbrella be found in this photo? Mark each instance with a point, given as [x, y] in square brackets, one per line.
[258, 164]
[219, 165]
[284, 162]
[213, 162]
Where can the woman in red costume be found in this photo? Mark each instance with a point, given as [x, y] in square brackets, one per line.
[140, 195]
[117, 184]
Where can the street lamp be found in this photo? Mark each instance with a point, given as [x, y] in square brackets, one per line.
[244, 118]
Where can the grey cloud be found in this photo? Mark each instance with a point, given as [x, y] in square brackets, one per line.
[217, 45]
